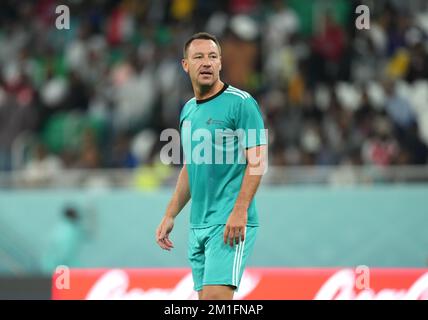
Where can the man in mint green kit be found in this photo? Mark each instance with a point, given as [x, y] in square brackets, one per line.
[224, 145]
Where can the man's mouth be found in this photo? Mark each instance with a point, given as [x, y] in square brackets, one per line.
[206, 72]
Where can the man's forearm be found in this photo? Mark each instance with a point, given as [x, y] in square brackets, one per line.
[181, 194]
[250, 184]
[256, 167]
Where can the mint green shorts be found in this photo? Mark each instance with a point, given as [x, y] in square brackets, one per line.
[215, 263]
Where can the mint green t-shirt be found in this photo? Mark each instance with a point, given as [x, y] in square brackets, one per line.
[215, 132]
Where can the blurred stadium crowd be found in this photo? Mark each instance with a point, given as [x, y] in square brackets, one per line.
[99, 94]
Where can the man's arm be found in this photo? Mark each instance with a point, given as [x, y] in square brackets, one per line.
[179, 199]
[256, 167]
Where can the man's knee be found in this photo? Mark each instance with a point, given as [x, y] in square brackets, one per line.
[213, 295]
[217, 293]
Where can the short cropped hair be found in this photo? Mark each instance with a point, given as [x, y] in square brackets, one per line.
[200, 35]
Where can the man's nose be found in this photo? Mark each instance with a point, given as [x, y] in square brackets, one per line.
[206, 61]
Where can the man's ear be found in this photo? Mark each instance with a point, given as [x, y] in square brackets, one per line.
[220, 65]
[185, 65]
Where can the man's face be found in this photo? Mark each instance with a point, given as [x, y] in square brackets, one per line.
[203, 62]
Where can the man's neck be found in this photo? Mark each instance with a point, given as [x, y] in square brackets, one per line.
[202, 92]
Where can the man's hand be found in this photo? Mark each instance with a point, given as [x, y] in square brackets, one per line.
[235, 226]
[163, 231]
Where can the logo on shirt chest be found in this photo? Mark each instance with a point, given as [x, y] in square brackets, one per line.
[212, 121]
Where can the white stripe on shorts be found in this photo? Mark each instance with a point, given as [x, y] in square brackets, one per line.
[239, 252]
[234, 263]
[238, 267]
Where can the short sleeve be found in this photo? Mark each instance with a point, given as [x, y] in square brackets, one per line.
[182, 117]
[249, 122]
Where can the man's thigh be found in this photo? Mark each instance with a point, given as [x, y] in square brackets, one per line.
[196, 255]
[224, 265]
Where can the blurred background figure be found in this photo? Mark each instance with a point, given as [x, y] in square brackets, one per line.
[65, 242]
[42, 167]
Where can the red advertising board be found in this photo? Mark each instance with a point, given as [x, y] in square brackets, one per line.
[257, 283]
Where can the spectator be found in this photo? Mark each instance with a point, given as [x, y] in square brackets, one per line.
[66, 241]
[118, 66]
[42, 167]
